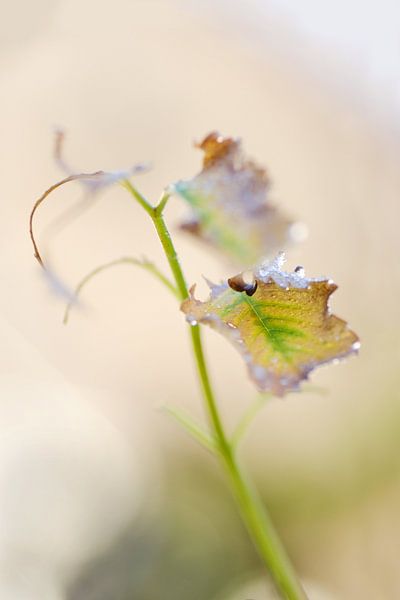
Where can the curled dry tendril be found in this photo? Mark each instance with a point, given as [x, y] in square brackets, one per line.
[46, 194]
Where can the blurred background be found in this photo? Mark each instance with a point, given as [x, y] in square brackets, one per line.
[101, 494]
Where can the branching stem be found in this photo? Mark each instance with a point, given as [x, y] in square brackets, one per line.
[195, 430]
[252, 510]
[247, 419]
[127, 260]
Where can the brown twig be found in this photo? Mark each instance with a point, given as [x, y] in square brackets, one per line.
[43, 197]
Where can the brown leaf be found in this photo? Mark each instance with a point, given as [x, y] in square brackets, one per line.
[230, 208]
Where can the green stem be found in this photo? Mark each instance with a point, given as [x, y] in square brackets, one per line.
[138, 197]
[252, 510]
[170, 253]
[247, 419]
[203, 437]
[254, 514]
[144, 264]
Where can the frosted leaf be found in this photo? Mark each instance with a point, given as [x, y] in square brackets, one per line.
[230, 207]
[280, 324]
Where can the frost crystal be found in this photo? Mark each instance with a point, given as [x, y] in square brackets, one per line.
[272, 270]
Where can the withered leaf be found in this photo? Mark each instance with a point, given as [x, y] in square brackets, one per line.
[93, 185]
[230, 208]
[93, 182]
[283, 329]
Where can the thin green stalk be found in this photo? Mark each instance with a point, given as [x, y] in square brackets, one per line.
[254, 513]
[195, 430]
[247, 419]
[144, 264]
[138, 197]
[170, 253]
[252, 510]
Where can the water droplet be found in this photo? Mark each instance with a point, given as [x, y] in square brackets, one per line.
[298, 232]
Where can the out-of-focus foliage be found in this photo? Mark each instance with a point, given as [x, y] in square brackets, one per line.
[230, 208]
[195, 547]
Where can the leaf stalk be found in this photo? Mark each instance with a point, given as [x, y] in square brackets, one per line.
[252, 510]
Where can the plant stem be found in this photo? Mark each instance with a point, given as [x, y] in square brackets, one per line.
[247, 419]
[128, 260]
[252, 510]
[195, 430]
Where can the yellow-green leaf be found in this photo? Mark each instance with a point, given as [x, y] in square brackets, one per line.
[280, 324]
[230, 208]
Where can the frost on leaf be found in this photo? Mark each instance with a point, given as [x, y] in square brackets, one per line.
[229, 204]
[280, 324]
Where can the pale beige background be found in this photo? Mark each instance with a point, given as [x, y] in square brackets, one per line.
[140, 80]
